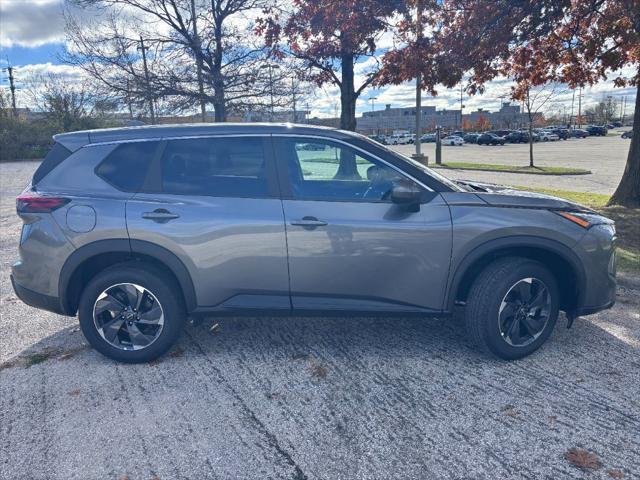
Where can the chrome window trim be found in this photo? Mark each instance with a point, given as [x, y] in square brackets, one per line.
[285, 135]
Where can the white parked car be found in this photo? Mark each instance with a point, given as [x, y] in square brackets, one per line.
[398, 139]
[453, 140]
[546, 136]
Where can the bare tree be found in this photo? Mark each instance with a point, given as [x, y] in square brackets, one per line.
[535, 99]
[222, 48]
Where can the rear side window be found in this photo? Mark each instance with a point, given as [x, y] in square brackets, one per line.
[233, 167]
[55, 157]
[126, 167]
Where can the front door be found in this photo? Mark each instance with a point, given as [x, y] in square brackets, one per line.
[349, 246]
[214, 203]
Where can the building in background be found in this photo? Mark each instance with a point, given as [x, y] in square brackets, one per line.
[391, 119]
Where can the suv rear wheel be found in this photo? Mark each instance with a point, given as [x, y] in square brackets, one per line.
[131, 313]
[512, 307]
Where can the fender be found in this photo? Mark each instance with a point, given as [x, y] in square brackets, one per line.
[510, 242]
[171, 261]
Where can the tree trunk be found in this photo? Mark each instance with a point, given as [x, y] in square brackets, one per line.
[348, 95]
[530, 141]
[219, 106]
[628, 191]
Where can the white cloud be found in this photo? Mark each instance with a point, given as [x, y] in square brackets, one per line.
[31, 23]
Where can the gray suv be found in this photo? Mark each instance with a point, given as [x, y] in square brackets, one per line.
[137, 229]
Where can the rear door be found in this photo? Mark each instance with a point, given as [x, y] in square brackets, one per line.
[214, 202]
[350, 247]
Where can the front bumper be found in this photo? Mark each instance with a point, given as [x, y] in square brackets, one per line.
[37, 300]
[597, 251]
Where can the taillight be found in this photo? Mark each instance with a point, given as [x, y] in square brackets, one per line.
[30, 202]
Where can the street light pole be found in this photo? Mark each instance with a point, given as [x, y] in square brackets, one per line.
[418, 155]
[373, 100]
[271, 67]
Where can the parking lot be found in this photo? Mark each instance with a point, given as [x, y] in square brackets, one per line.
[326, 398]
[605, 157]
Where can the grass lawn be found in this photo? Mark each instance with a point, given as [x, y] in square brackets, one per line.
[489, 167]
[593, 200]
[627, 223]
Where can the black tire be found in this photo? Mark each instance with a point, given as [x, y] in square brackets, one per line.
[486, 295]
[162, 286]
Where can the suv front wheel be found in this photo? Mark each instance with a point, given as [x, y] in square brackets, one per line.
[512, 307]
[131, 313]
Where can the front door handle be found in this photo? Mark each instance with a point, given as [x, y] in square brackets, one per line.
[309, 223]
[160, 215]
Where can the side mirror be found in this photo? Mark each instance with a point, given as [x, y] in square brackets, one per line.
[405, 192]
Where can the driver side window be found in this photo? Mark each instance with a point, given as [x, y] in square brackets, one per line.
[324, 170]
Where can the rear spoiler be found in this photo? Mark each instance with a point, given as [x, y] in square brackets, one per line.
[73, 141]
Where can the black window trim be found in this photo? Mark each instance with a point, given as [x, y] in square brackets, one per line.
[158, 151]
[285, 182]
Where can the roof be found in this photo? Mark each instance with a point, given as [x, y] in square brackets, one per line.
[75, 140]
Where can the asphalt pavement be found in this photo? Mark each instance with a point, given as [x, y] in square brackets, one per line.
[315, 398]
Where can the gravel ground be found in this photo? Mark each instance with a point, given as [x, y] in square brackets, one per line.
[342, 398]
[604, 156]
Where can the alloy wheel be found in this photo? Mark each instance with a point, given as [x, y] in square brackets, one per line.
[128, 316]
[524, 312]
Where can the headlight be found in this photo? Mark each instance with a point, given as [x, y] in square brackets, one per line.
[585, 220]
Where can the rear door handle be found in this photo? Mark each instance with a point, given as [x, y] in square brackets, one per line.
[309, 222]
[160, 215]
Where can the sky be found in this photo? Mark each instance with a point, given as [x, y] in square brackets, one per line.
[32, 38]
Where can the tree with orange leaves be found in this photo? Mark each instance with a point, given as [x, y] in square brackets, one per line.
[537, 42]
[330, 37]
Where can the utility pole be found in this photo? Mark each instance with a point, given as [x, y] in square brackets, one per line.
[198, 53]
[418, 155]
[128, 97]
[307, 112]
[624, 110]
[146, 76]
[12, 87]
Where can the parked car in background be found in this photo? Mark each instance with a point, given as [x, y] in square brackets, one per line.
[490, 139]
[398, 139]
[535, 136]
[379, 138]
[597, 130]
[138, 229]
[458, 133]
[453, 140]
[562, 133]
[547, 136]
[627, 134]
[517, 137]
[580, 133]
[471, 138]
[616, 125]
[500, 133]
[428, 138]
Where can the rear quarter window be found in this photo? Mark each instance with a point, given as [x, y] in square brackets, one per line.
[55, 157]
[126, 167]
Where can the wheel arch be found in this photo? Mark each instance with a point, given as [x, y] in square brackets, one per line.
[88, 260]
[560, 259]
